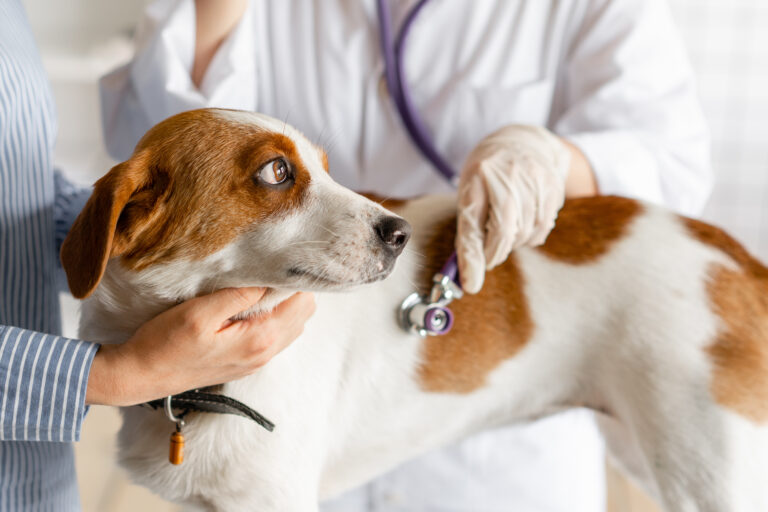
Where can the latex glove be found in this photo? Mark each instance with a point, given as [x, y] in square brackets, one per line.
[510, 190]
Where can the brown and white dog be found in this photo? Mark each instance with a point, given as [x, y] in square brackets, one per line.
[657, 321]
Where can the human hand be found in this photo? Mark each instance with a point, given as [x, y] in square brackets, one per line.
[194, 345]
[510, 190]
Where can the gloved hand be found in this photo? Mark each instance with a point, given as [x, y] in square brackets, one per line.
[510, 190]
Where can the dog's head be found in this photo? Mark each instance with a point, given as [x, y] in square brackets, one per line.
[214, 198]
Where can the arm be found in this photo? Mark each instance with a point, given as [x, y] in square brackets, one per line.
[631, 106]
[630, 125]
[43, 381]
[183, 61]
[195, 345]
[46, 381]
[581, 180]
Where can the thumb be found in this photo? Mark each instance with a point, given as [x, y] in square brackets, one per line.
[226, 303]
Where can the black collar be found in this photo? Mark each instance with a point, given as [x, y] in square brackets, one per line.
[201, 401]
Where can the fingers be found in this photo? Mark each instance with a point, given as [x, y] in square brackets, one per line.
[224, 304]
[295, 310]
[501, 233]
[472, 212]
[504, 227]
[546, 218]
[505, 202]
[275, 331]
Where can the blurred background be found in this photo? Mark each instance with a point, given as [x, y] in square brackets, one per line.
[80, 40]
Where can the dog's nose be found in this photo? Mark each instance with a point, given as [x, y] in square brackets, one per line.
[394, 232]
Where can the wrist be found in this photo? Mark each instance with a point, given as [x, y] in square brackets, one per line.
[113, 377]
[580, 180]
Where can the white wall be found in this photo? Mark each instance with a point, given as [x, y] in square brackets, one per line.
[80, 23]
[728, 44]
[80, 40]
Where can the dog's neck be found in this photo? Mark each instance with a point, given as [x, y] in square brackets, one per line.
[124, 302]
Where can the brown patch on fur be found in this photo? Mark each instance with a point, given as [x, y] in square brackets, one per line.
[91, 240]
[324, 159]
[586, 228]
[190, 177]
[715, 237]
[740, 351]
[490, 326]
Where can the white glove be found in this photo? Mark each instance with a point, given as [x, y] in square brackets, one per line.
[510, 190]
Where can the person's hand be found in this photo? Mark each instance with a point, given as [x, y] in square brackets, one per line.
[194, 345]
[510, 190]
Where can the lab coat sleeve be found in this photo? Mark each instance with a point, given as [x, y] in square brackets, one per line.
[157, 82]
[45, 378]
[631, 105]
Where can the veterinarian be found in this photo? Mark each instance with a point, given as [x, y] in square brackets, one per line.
[609, 78]
[46, 380]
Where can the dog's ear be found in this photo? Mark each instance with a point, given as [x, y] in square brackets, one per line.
[92, 239]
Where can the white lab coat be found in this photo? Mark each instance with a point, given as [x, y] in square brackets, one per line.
[611, 76]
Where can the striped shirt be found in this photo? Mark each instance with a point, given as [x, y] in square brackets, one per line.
[43, 377]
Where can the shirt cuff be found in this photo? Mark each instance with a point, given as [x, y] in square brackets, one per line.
[46, 379]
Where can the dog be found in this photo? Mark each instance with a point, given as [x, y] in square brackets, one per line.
[656, 321]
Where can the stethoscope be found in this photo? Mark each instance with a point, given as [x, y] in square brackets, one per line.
[427, 315]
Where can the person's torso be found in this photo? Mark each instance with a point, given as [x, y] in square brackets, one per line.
[471, 67]
[33, 475]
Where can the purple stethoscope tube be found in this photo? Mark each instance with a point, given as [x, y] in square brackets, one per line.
[426, 315]
[393, 52]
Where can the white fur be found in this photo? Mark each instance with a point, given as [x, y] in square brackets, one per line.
[624, 335]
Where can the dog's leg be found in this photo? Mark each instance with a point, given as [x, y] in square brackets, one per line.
[689, 456]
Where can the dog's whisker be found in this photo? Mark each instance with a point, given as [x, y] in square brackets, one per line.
[308, 242]
[325, 228]
[413, 251]
[329, 230]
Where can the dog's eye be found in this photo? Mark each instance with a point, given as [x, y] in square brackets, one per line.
[275, 172]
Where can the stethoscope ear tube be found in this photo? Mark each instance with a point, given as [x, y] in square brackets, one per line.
[394, 72]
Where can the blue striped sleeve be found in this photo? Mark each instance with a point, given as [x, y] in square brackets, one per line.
[69, 200]
[43, 379]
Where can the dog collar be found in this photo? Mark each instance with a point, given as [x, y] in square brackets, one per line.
[200, 401]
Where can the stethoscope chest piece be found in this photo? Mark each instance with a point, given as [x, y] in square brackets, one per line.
[429, 315]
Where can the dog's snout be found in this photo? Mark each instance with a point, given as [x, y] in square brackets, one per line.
[394, 232]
